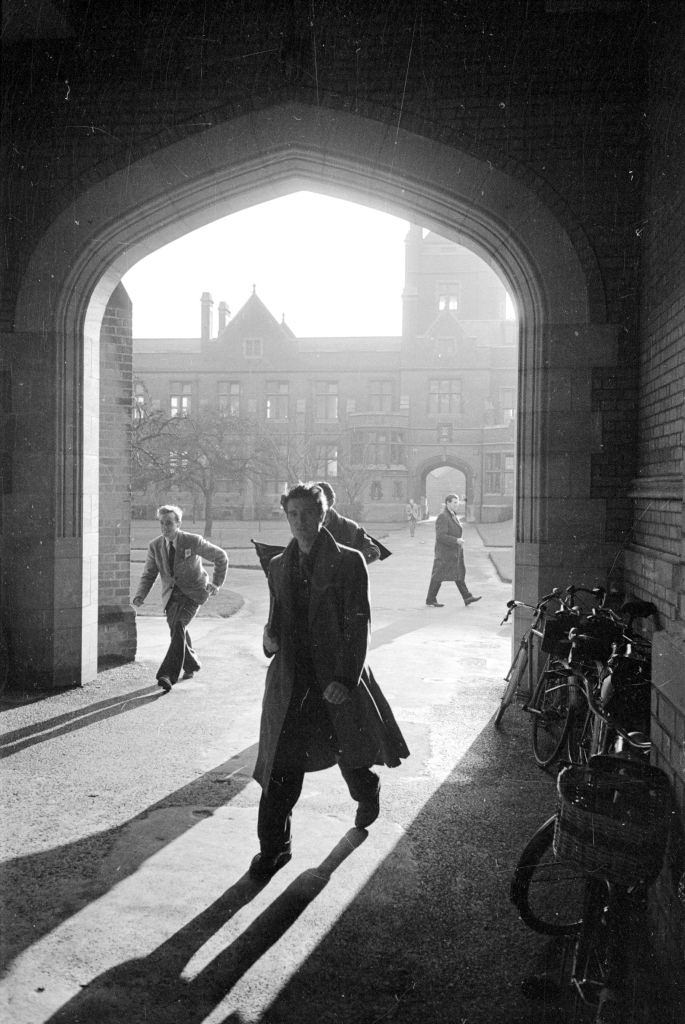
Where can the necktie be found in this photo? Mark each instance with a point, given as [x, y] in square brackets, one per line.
[172, 555]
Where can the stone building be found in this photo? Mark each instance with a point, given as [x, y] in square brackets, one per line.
[546, 135]
[375, 415]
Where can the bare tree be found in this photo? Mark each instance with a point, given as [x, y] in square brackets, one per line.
[198, 453]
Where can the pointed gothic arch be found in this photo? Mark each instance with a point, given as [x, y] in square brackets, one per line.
[265, 154]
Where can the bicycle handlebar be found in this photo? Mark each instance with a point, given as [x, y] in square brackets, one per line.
[511, 605]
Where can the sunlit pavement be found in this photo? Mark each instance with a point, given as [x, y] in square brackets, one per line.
[134, 818]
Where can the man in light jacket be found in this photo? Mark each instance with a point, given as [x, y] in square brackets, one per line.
[176, 557]
[321, 703]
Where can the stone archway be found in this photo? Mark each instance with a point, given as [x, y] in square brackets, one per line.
[265, 154]
[425, 468]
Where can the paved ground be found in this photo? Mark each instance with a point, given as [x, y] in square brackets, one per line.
[126, 897]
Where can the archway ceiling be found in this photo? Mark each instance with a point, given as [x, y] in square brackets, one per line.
[293, 147]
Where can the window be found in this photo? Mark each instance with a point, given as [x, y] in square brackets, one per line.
[326, 462]
[377, 448]
[326, 400]
[178, 460]
[139, 401]
[181, 396]
[229, 398]
[277, 399]
[507, 404]
[252, 348]
[380, 396]
[444, 396]
[499, 473]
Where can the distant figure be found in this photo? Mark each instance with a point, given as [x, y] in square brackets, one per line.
[347, 531]
[321, 704]
[448, 563]
[176, 557]
[412, 515]
[424, 507]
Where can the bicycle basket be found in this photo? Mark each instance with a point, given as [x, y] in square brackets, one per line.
[613, 818]
[555, 633]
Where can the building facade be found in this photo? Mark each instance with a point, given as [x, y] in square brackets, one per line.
[375, 415]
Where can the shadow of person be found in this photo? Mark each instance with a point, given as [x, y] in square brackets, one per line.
[152, 988]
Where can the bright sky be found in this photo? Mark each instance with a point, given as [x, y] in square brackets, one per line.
[332, 267]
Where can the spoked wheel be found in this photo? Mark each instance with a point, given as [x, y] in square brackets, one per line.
[513, 681]
[551, 709]
[599, 970]
[581, 734]
[547, 891]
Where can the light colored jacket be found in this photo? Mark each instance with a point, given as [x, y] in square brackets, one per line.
[189, 574]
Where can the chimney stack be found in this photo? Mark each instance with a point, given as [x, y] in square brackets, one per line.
[206, 302]
[224, 313]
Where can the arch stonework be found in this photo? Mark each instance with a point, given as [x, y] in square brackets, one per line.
[435, 462]
[263, 155]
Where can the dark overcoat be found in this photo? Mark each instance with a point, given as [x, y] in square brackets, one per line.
[339, 618]
[448, 563]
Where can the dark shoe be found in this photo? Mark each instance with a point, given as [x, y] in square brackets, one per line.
[470, 600]
[165, 683]
[187, 675]
[263, 867]
[368, 810]
[434, 604]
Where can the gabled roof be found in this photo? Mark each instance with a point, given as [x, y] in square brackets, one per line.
[253, 316]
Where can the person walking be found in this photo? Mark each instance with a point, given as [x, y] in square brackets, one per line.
[448, 562]
[348, 531]
[412, 515]
[321, 704]
[176, 557]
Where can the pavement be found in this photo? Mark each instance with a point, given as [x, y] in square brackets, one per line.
[133, 822]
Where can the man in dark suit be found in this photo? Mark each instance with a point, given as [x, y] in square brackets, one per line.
[321, 704]
[176, 557]
[348, 532]
[448, 563]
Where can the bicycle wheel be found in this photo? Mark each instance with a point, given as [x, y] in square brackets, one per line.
[547, 891]
[551, 710]
[581, 735]
[513, 679]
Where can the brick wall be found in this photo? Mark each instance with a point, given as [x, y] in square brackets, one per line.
[655, 562]
[116, 618]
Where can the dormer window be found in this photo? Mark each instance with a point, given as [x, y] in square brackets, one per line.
[252, 348]
[448, 301]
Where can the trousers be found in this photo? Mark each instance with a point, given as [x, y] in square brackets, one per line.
[274, 820]
[180, 656]
[434, 587]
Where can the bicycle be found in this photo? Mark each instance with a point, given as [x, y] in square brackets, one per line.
[520, 677]
[584, 873]
[559, 705]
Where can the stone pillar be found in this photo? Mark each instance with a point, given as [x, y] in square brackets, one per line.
[116, 619]
[562, 530]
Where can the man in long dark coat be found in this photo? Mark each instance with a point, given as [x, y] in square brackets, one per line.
[321, 704]
[448, 562]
